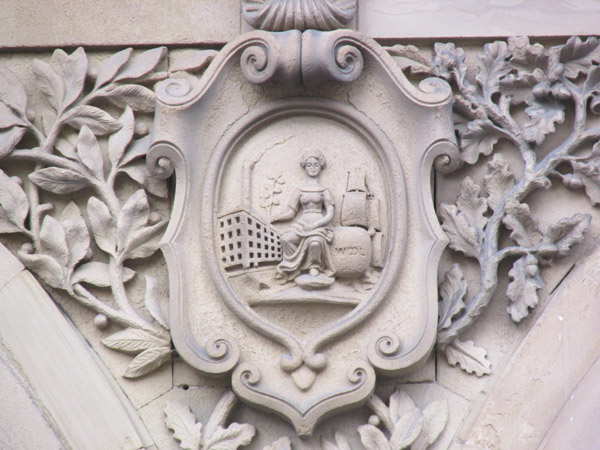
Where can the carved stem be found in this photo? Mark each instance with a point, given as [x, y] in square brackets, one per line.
[86, 298]
[490, 257]
[115, 266]
[33, 196]
[382, 411]
[108, 195]
[45, 158]
[222, 410]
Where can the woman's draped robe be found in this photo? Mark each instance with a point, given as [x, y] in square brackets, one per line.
[298, 254]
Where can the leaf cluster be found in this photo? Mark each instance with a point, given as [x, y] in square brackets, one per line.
[64, 162]
[192, 435]
[409, 427]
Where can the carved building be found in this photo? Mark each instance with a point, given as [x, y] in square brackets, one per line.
[447, 302]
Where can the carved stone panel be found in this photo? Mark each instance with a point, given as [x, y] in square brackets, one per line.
[303, 229]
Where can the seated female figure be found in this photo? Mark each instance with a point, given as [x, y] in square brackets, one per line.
[305, 245]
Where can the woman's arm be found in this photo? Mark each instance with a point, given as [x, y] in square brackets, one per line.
[290, 211]
[288, 214]
[326, 219]
[329, 210]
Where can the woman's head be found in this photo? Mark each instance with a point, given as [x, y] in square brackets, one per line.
[312, 162]
[314, 154]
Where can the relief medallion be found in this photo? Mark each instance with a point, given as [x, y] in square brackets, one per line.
[303, 243]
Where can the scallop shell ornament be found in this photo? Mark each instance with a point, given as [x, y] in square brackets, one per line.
[282, 15]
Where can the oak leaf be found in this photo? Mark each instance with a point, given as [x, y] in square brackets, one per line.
[478, 138]
[230, 438]
[525, 229]
[498, 182]
[183, 424]
[578, 56]
[523, 287]
[567, 232]
[463, 236]
[544, 113]
[493, 66]
[281, 444]
[470, 358]
[452, 292]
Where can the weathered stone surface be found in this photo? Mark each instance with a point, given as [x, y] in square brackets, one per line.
[60, 23]
[442, 19]
[544, 372]
[67, 377]
[575, 426]
[23, 423]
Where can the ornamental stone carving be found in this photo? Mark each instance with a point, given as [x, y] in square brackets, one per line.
[294, 218]
[282, 15]
[303, 246]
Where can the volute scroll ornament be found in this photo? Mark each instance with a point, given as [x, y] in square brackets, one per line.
[290, 233]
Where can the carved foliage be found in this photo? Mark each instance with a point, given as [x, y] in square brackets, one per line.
[547, 85]
[214, 435]
[407, 425]
[68, 157]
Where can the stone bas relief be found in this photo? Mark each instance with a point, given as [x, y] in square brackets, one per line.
[291, 243]
[281, 15]
[302, 224]
[298, 311]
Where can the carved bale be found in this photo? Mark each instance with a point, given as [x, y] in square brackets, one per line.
[351, 251]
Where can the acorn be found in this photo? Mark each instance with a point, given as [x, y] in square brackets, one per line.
[561, 92]
[541, 90]
[556, 72]
[572, 181]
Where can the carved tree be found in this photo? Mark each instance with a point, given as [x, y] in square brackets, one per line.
[548, 85]
[63, 155]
